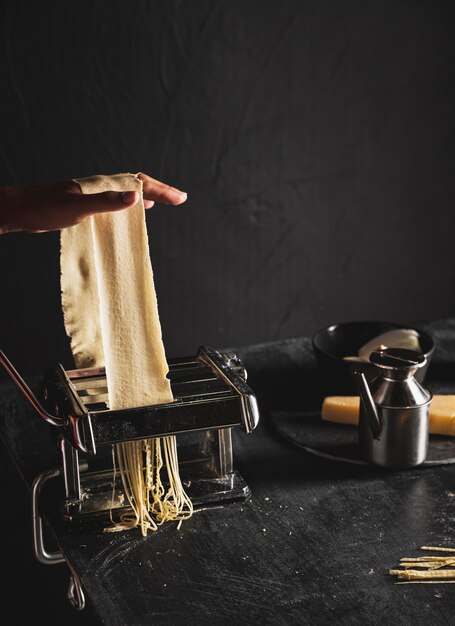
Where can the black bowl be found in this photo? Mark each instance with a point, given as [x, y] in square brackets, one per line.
[331, 344]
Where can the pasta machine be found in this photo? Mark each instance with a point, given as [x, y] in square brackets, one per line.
[211, 397]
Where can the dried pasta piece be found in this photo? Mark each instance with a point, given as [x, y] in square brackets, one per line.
[424, 558]
[414, 574]
[425, 582]
[431, 568]
[427, 564]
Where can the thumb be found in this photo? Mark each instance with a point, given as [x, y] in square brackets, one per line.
[104, 202]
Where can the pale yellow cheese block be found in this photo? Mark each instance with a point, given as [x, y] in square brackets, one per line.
[345, 410]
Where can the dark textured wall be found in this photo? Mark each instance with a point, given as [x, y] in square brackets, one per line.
[315, 141]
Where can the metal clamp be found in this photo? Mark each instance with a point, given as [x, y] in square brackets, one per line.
[75, 592]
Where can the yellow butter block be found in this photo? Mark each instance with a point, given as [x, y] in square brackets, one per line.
[345, 410]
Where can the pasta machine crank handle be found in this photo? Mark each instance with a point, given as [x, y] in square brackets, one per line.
[28, 393]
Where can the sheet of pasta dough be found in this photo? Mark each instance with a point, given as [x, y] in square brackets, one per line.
[109, 302]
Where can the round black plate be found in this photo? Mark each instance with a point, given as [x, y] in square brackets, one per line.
[338, 442]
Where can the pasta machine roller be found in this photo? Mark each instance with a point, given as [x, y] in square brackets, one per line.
[211, 397]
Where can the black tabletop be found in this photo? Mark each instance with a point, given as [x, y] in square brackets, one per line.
[313, 545]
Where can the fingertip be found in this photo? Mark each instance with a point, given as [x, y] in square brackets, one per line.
[148, 204]
[183, 196]
[130, 197]
[175, 196]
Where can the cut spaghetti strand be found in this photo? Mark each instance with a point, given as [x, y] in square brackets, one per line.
[140, 465]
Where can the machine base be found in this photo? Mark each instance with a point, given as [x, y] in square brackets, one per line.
[100, 505]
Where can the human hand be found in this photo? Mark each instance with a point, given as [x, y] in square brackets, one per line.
[43, 208]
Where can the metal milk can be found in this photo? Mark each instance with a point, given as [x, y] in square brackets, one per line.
[394, 410]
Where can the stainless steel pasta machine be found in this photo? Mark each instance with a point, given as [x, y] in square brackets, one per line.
[211, 397]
